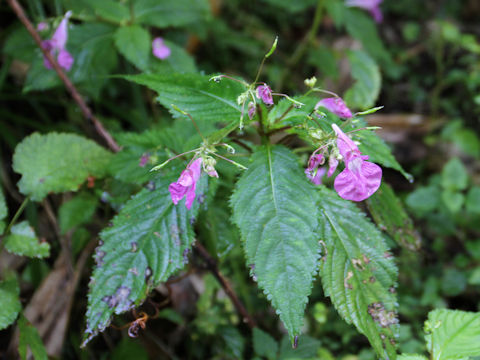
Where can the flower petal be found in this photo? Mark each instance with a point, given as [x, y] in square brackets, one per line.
[265, 94]
[346, 146]
[361, 184]
[159, 49]
[177, 192]
[60, 36]
[335, 105]
[65, 59]
[332, 163]
[190, 196]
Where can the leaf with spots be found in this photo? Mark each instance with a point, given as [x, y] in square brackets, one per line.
[149, 240]
[274, 206]
[358, 272]
[56, 163]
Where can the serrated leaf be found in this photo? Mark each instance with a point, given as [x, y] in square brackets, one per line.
[452, 334]
[378, 151]
[165, 13]
[3, 212]
[30, 338]
[264, 344]
[390, 215]
[76, 211]
[274, 207]
[135, 44]
[57, 162]
[148, 242]
[364, 92]
[357, 272]
[23, 241]
[93, 50]
[9, 295]
[204, 100]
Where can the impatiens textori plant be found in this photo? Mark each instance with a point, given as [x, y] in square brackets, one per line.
[57, 45]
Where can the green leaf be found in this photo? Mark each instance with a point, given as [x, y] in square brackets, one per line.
[411, 357]
[166, 13]
[149, 241]
[423, 200]
[452, 334]
[274, 207]
[111, 10]
[378, 151]
[357, 271]
[56, 163]
[23, 241]
[362, 27]
[389, 214]
[307, 349]
[364, 92]
[264, 344]
[292, 6]
[204, 100]
[95, 57]
[454, 175]
[453, 200]
[29, 338]
[3, 212]
[473, 200]
[9, 295]
[135, 44]
[76, 211]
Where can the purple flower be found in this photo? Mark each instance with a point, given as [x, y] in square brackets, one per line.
[186, 184]
[56, 46]
[143, 160]
[332, 163]
[265, 94]
[42, 26]
[360, 178]
[313, 172]
[335, 105]
[159, 49]
[373, 6]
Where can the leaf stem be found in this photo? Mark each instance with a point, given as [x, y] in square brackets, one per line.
[212, 266]
[12, 222]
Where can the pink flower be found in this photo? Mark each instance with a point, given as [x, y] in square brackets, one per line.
[360, 178]
[332, 163]
[186, 184]
[335, 105]
[42, 26]
[373, 6]
[143, 160]
[265, 94]
[56, 46]
[159, 49]
[313, 172]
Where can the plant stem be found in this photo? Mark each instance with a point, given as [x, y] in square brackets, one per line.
[302, 47]
[14, 219]
[86, 111]
[212, 266]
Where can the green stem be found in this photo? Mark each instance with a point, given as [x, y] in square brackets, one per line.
[14, 220]
[303, 47]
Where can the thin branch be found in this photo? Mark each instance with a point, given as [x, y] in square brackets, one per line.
[86, 111]
[212, 266]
